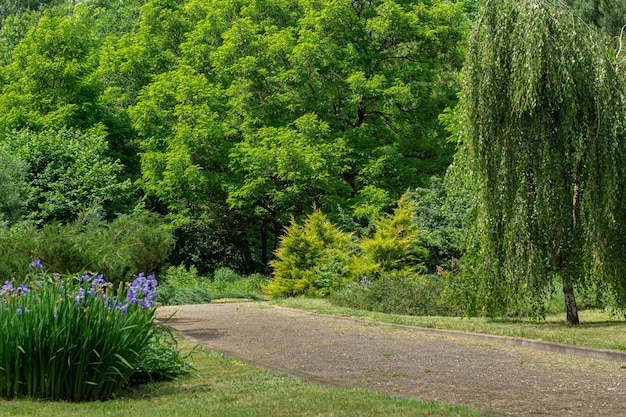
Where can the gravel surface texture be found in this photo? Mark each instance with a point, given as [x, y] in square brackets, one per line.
[409, 362]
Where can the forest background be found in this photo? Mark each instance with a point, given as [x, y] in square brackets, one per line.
[309, 139]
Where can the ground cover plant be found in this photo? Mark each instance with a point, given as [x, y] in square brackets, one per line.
[79, 338]
[224, 387]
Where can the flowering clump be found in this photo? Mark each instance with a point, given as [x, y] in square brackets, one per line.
[89, 335]
[142, 291]
[35, 265]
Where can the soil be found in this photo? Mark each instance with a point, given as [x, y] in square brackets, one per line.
[409, 362]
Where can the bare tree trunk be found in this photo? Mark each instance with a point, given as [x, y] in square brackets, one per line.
[568, 288]
[570, 300]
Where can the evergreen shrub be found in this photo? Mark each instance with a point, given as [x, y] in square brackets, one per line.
[312, 259]
[396, 245]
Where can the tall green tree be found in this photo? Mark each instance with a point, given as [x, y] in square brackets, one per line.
[67, 171]
[360, 81]
[48, 83]
[545, 144]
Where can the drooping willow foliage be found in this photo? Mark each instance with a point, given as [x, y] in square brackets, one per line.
[544, 145]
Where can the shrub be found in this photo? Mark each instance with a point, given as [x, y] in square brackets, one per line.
[74, 338]
[140, 241]
[225, 274]
[311, 259]
[160, 359]
[185, 286]
[179, 276]
[68, 170]
[395, 245]
[399, 293]
[439, 215]
[13, 185]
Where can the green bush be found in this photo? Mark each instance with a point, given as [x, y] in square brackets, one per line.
[140, 241]
[185, 286]
[395, 245]
[399, 293]
[171, 295]
[311, 259]
[160, 359]
[181, 277]
[68, 170]
[225, 274]
[13, 185]
[73, 338]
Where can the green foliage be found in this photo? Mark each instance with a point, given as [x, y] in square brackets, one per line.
[161, 359]
[48, 84]
[68, 341]
[285, 170]
[68, 171]
[288, 104]
[311, 259]
[179, 276]
[17, 7]
[13, 185]
[186, 286]
[140, 241]
[395, 245]
[238, 113]
[439, 215]
[608, 15]
[543, 148]
[225, 274]
[209, 242]
[13, 29]
[400, 293]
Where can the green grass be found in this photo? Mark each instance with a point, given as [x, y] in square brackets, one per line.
[224, 387]
[598, 329]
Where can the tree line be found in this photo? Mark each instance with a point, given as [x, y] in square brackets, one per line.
[230, 118]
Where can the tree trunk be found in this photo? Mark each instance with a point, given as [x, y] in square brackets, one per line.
[264, 248]
[568, 289]
[570, 300]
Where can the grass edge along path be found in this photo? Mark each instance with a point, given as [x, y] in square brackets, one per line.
[227, 387]
[598, 329]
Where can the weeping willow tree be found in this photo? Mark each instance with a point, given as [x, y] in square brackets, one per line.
[543, 125]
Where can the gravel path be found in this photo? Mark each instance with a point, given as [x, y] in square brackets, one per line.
[408, 362]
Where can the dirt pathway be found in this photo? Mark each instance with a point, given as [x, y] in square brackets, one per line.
[408, 362]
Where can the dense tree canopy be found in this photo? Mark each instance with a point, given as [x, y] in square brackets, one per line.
[545, 145]
[242, 113]
[297, 103]
[609, 15]
[67, 171]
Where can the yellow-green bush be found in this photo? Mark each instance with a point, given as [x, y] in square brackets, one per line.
[395, 245]
[311, 259]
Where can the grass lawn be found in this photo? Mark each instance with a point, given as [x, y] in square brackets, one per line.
[224, 387]
[598, 329]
